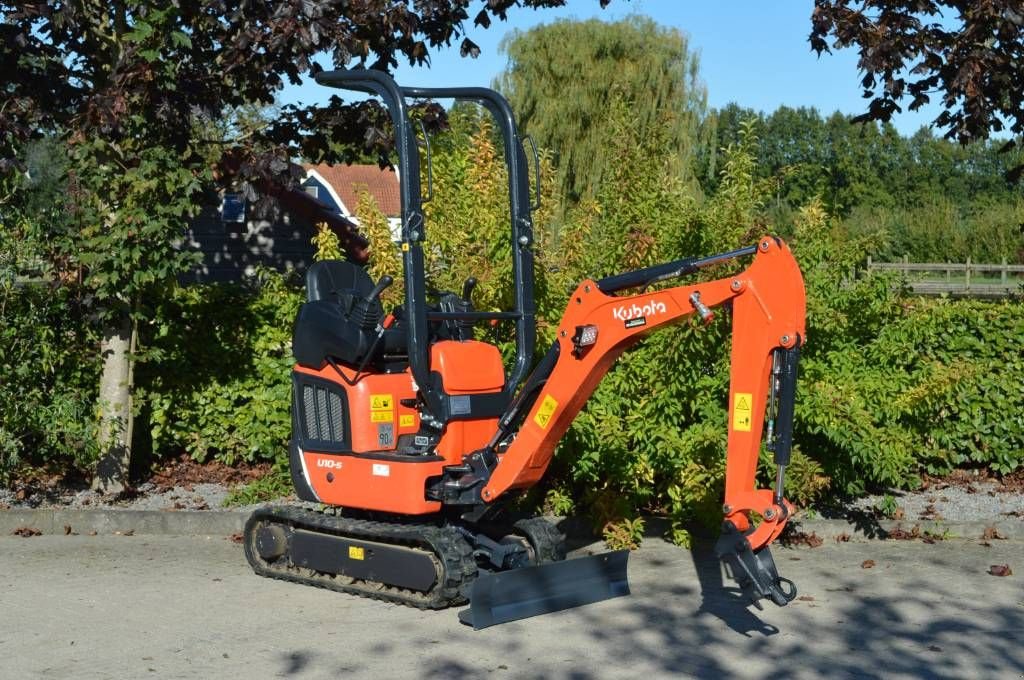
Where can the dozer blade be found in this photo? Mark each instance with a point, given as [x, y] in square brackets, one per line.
[520, 593]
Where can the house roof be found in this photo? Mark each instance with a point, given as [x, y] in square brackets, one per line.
[345, 180]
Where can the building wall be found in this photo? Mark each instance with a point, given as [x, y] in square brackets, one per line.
[233, 250]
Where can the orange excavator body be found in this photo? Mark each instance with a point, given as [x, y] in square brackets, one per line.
[407, 420]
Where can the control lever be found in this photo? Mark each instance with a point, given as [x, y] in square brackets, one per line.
[382, 285]
[467, 288]
[364, 312]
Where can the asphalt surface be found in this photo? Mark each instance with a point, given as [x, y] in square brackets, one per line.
[186, 607]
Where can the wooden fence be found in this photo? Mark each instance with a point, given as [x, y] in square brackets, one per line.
[958, 279]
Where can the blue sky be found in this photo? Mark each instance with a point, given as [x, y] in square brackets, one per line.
[752, 52]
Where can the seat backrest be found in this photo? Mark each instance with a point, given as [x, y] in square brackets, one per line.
[331, 279]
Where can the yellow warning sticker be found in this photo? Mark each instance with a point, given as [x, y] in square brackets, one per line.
[547, 408]
[405, 246]
[381, 416]
[406, 420]
[381, 402]
[356, 553]
[742, 407]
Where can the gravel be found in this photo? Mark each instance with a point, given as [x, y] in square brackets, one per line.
[975, 501]
[964, 500]
[146, 496]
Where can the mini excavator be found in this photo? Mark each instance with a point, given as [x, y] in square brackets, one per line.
[409, 433]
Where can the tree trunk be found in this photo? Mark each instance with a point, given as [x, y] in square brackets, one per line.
[115, 407]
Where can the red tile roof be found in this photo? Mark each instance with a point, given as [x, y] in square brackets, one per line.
[346, 180]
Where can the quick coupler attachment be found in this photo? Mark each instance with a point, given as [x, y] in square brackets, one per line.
[755, 571]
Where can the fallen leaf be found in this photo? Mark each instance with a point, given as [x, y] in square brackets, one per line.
[1000, 570]
[898, 514]
[67, 529]
[235, 538]
[92, 533]
[26, 532]
[991, 533]
[20, 495]
[843, 538]
[811, 540]
[806, 598]
[867, 564]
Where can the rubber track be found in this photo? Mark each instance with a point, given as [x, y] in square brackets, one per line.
[450, 552]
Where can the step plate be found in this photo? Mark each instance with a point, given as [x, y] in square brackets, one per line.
[520, 593]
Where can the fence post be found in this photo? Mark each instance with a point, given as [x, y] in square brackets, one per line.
[869, 265]
[906, 269]
[967, 276]
[1002, 273]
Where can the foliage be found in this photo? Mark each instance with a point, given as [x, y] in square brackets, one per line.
[49, 364]
[384, 256]
[968, 52]
[562, 76]
[215, 370]
[653, 435]
[326, 244]
[275, 484]
[625, 534]
[144, 97]
[891, 386]
[851, 165]
[941, 230]
[923, 197]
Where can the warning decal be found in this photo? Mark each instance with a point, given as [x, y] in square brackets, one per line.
[547, 408]
[406, 420]
[742, 407]
[356, 553]
[381, 416]
[381, 402]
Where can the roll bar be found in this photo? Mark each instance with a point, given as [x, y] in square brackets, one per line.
[414, 229]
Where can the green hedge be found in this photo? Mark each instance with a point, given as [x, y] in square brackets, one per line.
[49, 373]
[214, 375]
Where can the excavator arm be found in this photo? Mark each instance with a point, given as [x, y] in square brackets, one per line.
[768, 307]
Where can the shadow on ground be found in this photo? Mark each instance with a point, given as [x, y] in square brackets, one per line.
[849, 624]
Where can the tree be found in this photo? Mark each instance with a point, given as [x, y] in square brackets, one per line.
[971, 52]
[131, 85]
[561, 79]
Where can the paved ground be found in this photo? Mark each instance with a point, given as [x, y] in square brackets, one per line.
[168, 607]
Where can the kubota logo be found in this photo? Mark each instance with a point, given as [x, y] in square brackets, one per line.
[624, 313]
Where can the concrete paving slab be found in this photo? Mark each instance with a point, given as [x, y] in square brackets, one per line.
[185, 607]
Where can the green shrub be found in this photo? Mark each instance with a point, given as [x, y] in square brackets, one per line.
[215, 369]
[49, 363]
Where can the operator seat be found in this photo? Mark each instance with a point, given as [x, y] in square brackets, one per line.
[338, 320]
